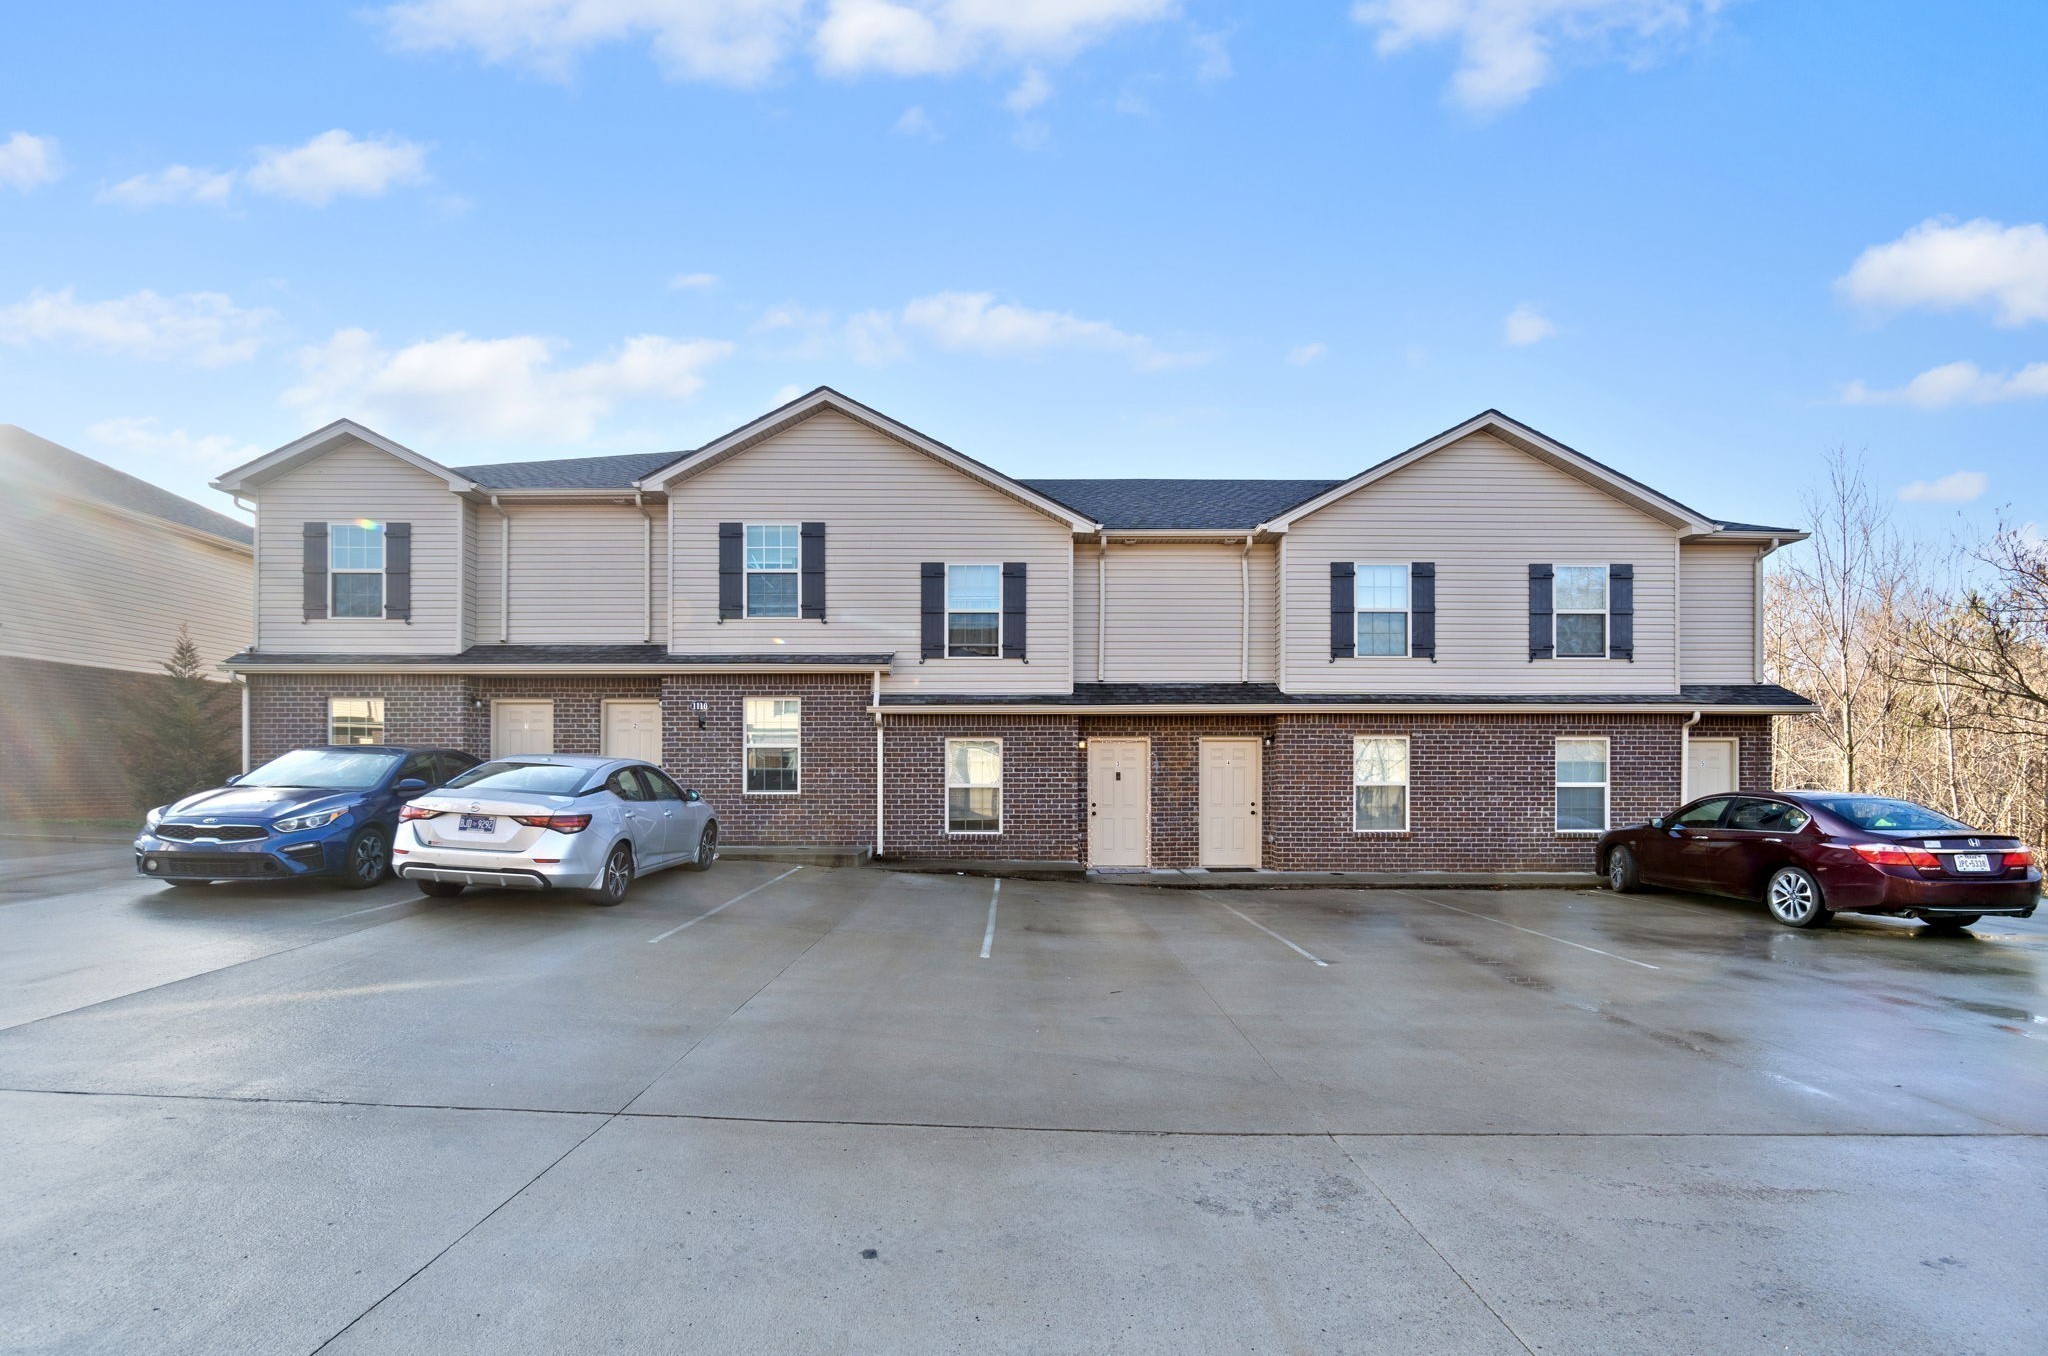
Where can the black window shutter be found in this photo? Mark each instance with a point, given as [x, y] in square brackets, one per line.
[731, 577]
[932, 603]
[398, 571]
[813, 582]
[1343, 610]
[1013, 609]
[316, 570]
[1621, 612]
[1542, 642]
[1422, 609]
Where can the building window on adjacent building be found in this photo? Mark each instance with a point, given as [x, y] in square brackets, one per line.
[1581, 608]
[974, 786]
[1381, 598]
[355, 567]
[974, 611]
[355, 720]
[774, 551]
[774, 745]
[1581, 785]
[1379, 784]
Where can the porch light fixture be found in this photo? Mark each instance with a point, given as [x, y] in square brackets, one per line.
[1081, 744]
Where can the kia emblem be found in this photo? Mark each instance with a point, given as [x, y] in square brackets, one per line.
[209, 821]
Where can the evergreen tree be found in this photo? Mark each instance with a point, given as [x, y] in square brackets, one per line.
[180, 731]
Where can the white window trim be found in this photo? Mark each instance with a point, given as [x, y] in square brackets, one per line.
[951, 565]
[1407, 793]
[383, 585]
[1407, 610]
[378, 704]
[1606, 612]
[778, 741]
[1606, 786]
[747, 572]
[946, 793]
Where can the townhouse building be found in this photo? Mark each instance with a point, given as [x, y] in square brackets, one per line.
[1477, 653]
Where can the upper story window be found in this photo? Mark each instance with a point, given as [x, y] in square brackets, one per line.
[1581, 611]
[974, 611]
[355, 566]
[1381, 597]
[774, 552]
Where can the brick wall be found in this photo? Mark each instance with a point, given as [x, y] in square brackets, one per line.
[289, 710]
[1042, 787]
[62, 742]
[835, 805]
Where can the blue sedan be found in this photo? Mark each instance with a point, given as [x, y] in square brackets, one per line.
[311, 812]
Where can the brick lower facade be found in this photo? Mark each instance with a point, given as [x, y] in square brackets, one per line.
[1481, 786]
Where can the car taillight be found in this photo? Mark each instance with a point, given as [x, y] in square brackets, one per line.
[416, 812]
[559, 823]
[1891, 854]
[2019, 856]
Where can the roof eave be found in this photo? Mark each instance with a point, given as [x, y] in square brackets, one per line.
[273, 463]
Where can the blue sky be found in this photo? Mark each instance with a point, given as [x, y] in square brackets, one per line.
[1703, 242]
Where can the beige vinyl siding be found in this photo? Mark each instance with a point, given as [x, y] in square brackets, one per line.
[89, 586]
[887, 509]
[473, 527]
[356, 480]
[1176, 612]
[1717, 612]
[1483, 511]
[577, 574]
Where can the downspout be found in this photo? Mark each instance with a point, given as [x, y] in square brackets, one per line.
[504, 571]
[243, 680]
[1244, 632]
[875, 699]
[1685, 757]
[1102, 606]
[646, 565]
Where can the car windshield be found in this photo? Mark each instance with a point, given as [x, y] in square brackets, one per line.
[548, 778]
[1879, 814]
[324, 769]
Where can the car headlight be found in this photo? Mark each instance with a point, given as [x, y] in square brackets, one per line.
[154, 817]
[319, 819]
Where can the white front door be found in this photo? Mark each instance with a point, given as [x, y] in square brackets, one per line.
[1119, 802]
[1230, 802]
[633, 730]
[1709, 767]
[522, 727]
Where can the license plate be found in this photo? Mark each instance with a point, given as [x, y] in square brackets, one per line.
[1973, 861]
[478, 824]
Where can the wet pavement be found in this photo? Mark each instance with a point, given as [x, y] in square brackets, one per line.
[260, 1119]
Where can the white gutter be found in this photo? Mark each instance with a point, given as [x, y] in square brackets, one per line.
[647, 567]
[1102, 607]
[1028, 708]
[530, 670]
[1685, 757]
[245, 724]
[504, 572]
[875, 691]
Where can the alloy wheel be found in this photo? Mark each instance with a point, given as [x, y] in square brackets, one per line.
[1792, 898]
[618, 874]
[707, 847]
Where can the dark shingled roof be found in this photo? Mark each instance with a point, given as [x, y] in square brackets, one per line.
[1757, 527]
[570, 473]
[1136, 505]
[26, 457]
[1705, 695]
[562, 654]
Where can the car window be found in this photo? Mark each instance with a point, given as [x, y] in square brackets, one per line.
[626, 785]
[1883, 814]
[452, 765]
[420, 765]
[1766, 816]
[660, 785]
[555, 779]
[1705, 815]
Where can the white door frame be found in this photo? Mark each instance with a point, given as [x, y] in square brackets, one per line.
[604, 716]
[1685, 789]
[1258, 783]
[1146, 741]
[496, 702]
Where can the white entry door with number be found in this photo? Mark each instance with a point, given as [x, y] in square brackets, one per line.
[1119, 802]
[522, 727]
[1709, 767]
[1230, 802]
[633, 730]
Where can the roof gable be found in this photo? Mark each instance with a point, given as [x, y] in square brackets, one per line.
[322, 441]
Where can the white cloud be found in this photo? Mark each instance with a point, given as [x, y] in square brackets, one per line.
[26, 162]
[976, 321]
[1212, 57]
[691, 282]
[335, 164]
[173, 183]
[1956, 384]
[915, 122]
[1957, 487]
[493, 388]
[1944, 266]
[1526, 325]
[1033, 90]
[1508, 49]
[202, 327]
[142, 438]
[1303, 354]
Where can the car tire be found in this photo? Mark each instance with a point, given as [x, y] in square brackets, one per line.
[616, 879]
[1954, 922]
[1624, 877]
[368, 859]
[1794, 898]
[707, 848]
[441, 889]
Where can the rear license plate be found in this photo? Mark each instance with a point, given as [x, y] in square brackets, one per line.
[477, 824]
[1973, 861]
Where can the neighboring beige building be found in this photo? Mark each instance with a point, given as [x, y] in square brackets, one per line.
[98, 570]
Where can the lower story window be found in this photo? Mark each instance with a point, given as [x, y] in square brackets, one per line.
[355, 720]
[974, 786]
[1581, 785]
[1379, 784]
[774, 745]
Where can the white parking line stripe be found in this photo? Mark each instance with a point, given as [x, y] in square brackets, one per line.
[1268, 931]
[1531, 931]
[721, 908]
[988, 939]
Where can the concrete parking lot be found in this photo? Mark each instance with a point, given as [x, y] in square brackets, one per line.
[765, 1110]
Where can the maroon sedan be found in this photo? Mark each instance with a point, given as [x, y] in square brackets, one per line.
[1811, 854]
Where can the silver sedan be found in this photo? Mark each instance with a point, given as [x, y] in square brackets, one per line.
[554, 822]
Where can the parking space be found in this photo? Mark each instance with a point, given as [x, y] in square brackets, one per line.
[1060, 1116]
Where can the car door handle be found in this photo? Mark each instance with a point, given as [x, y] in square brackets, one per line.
[1774, 840]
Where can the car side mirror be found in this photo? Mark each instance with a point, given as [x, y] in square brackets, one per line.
[1657, 823]
[232, 780]
[691, 795]
[409, 786]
